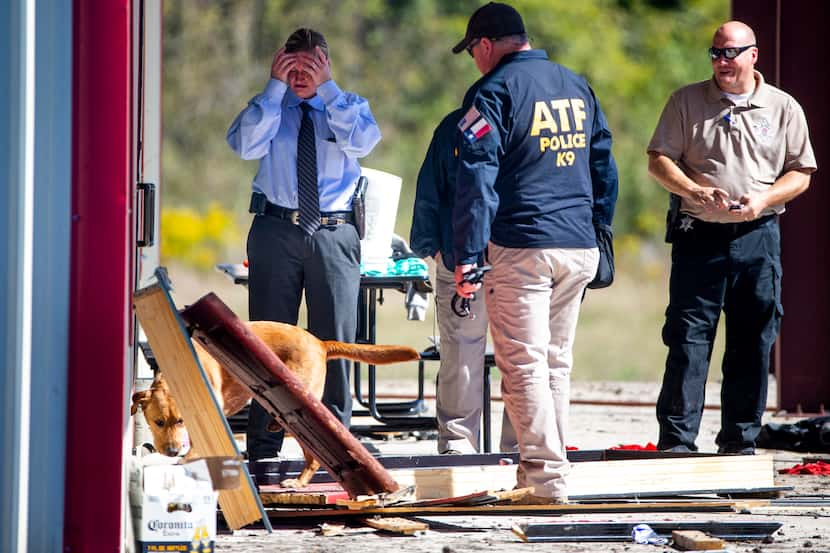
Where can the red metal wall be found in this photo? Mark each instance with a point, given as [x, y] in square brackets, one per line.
[100, 275]
[793, 56]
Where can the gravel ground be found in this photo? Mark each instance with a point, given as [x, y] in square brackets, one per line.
[804, 530]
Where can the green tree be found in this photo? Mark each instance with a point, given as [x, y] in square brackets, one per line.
[396, 53]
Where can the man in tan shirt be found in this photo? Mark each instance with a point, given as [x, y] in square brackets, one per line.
[732, 151]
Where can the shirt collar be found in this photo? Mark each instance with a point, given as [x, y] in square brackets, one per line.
[759, 97]
[294, 101]
[524, 55]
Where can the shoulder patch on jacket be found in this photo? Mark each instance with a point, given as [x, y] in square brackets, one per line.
[477, 130]
[473, 125]
[469, 118]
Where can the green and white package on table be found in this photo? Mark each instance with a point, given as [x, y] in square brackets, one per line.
[412, 266]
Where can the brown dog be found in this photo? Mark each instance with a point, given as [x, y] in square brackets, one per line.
[301, 352]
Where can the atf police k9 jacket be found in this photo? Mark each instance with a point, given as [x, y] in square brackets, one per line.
[535, 166]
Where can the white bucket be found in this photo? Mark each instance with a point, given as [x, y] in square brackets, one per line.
[382, 194]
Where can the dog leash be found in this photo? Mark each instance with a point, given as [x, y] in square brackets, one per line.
[473, 276]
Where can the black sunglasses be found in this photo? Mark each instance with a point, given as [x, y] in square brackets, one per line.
[728, 53]
[476, 41]
[472, 45]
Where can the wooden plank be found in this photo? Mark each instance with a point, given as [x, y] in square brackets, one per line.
[304, 498]
[329, 530]
[358, 504]
[651, 475]
[274, 472]
[477, 498]
[514, 494]
[598, 478]
[695, 540]
[285, 398]
[397, 525]
[401, 497]
[205, 423]
[327, 494]
[516, 510]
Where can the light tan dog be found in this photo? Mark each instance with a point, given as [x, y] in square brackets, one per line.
[302, 353]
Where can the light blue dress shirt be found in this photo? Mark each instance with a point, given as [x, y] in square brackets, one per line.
[267, 129]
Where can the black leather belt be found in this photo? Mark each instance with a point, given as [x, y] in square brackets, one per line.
[719, 230]
[327, 218]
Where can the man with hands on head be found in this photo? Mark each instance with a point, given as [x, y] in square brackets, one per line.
[307, 134]
[731, 150]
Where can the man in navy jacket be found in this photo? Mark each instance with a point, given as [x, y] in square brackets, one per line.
[463, 340]
[535, 175]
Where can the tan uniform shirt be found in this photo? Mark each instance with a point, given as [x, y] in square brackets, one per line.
[741, 149]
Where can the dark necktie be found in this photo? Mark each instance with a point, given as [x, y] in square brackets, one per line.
[307, 173]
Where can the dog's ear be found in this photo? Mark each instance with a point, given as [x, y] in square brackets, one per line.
[140, 399]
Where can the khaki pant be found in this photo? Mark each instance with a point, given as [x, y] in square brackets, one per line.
[461, 372]
[533, 299]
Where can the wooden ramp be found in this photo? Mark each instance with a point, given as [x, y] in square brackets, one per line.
[205, 422]
[281, 393]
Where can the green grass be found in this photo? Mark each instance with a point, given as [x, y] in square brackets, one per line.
[618, 335]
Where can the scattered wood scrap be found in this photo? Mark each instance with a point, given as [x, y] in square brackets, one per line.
[358, 504]
[477, 498]
[326, 495]
[694, 540]
[397, 525]
[404, 493]
[519, 530]
[514, 495]
[400, 497]
[328, 529]
[322, 495]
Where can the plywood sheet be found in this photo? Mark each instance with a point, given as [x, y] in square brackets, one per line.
[597, 478]
[205, 422]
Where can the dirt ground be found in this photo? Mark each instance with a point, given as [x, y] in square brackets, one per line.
[592, 426]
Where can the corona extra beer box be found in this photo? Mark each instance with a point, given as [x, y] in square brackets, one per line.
[173, 505]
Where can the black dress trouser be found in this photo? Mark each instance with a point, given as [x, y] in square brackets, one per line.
[283, 263]
[734, 268]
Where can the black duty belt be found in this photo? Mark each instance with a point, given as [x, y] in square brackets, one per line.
[327, 218]
[688, 225]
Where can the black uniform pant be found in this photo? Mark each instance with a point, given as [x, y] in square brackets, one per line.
[284, 262]
[734, 268]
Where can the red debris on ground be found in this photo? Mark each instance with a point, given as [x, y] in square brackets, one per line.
[819, 468]
[637, 447]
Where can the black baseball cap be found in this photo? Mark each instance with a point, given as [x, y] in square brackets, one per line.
[493, 20]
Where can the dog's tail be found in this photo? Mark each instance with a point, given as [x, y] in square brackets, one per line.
[368, 353]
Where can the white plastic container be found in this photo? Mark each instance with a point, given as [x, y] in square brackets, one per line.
[382, 194]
